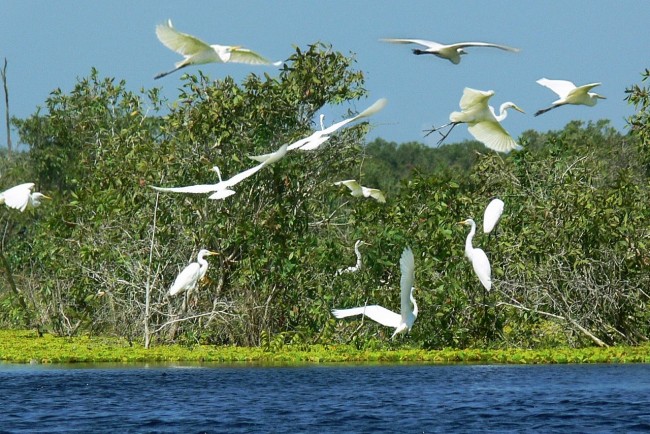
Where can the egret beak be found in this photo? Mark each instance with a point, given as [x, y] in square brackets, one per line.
[46, 197]
[211, 253]
[518, 109]
[462, 222]
[600, 96]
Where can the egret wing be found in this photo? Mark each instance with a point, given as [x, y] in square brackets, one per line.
[582, 90]
[17, 197]
[492, 214]
[353, 185]
[250, 57]
[374, 108]
[423, 42]
[375, 312]
[407, 266]
[494, 136]
[483, 44]
[374, 193]
[472, 97]
[482, 268]
[186, 279]
[560, 87]
[182, 43]
[200, 188]
[221, 194]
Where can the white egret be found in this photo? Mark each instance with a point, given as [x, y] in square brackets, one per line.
[317, 138]
[22, 197]
[197, 52]
[359, 263]
[357, 190]
[492, 214]
[569, 93]
[403, 322]
[192, 274]
[482, 122]
[222, 188]
[477, 257]
[451, 52]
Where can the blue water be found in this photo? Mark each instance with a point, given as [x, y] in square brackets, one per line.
[333, 398]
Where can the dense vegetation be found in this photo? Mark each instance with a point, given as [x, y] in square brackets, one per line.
[570, 260]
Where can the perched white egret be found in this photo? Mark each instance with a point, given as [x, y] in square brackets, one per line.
[359, 263]
[197, 52]
[22, 197]
[482, 122]
[402, 323]
[222, 188]
[477, 256]
[192, 274]
[317, 138]
[492, 214]
[451, 52]
[569, 93]
[357, 190]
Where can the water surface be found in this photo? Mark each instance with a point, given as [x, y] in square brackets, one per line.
[332, 398]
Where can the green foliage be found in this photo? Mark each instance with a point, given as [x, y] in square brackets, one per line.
[569, 258]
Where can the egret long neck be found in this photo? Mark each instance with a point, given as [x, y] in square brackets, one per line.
[358, 253]
[468, 241]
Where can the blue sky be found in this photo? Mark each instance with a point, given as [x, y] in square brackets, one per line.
[49, 45]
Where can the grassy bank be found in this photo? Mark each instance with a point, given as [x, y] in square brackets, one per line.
[26, 347]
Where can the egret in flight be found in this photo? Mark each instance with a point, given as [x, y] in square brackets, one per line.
[569, 93]
[192, 274]
[359, 263]
[492, 214]
[403, 322]
[22, 197]
[222, 188]
[197, 52]
[451, 52]
[317, 138]
[482, 121]
[357, 190]
[477, 257]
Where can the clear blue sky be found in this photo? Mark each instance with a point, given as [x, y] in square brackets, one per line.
[49, 45]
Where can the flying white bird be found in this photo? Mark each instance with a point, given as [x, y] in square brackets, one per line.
[451, 52]
[357, 190]
[21, 197]
[222, 188]
[477, 257]
[402, 322]
[570, 94]
[492, 214]
[317, 138]
[482, 122]
[359, 263]
[192, 274]
[197, 52]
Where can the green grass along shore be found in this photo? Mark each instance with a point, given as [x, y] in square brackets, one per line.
[21, 346]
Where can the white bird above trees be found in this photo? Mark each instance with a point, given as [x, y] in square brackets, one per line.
[22, 197]
[492, 214]
[569, 93]
[477, 257]
[317, 138]
[197, 52]
[403, 322]
[357, 190]
[482, 122]
[451, 52]
[222, 188]
[192, 274]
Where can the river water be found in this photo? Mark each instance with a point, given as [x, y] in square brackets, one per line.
[412, 398]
